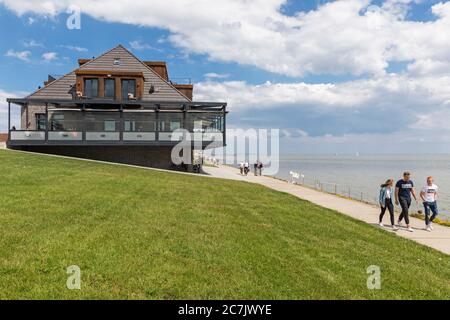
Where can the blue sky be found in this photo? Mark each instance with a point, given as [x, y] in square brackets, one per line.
[333, 76]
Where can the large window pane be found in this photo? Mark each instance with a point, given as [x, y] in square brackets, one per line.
[110, 88]
[91, 88]
[65, 121]
[169, 122]
[110, 125]
[102, 121]
[140, 122]
[205, 122]
[128, 87]
[40, 121]
[57, 122]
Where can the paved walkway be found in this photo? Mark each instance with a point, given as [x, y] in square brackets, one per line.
[438, 239]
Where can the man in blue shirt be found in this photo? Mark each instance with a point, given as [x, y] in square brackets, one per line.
[403, 191]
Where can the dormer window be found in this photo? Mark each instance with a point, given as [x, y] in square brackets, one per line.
[110, 88]
[128, 89]
[91, 87]
[116, 61]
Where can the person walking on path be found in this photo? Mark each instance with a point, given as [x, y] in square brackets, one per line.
[404, 188]
[241, 168]
[255, 168]
[429, 197]
[260, 167]
[246, 168]
[385, 199]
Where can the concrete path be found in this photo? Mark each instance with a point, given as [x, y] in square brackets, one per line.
[438, 239]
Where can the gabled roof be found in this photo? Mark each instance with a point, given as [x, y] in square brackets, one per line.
[62, 87]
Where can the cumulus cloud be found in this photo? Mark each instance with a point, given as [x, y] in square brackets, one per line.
[392, 103]
[213, 75]
[74, 48]
[340, 37]
[15, 112]
[32, 43]
[140, 45]
[21, 55]
[50, 56]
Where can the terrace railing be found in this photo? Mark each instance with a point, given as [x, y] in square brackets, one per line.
[74, 137]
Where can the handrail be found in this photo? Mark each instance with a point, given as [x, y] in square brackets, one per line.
[336, 188]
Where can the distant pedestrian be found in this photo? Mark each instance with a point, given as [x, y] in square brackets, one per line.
[255, 168]
[246, 168]
[429, 197]
[385, 199]
[404, 188]
[241, 168]
[260, 167]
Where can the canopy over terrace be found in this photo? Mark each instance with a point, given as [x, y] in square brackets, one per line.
[99, 121]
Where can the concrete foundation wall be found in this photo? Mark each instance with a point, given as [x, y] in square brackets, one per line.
[157, 157]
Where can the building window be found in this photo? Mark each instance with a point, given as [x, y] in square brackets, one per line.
[57, 122]
[130, 125]
[91, 88]
[110, 125]
[169, 122]
[110, 88]
[145, 122]
[116, 61]
[40, 121]
[175, 125]
[128, 88]
[209, 122]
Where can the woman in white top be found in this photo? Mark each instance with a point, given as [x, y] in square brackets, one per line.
[246, 168]
[429, 197]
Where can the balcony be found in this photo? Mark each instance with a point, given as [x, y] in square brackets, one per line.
[30, 137]
[98, 124]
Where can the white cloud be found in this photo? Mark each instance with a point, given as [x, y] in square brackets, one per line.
[15, 111]
[213, 75]
[239, 94]
[22, 55]
[50, 56]
[392, 103]
[429, 67]
[74, 48]
[139, 45]
[340, 37]
[32, 43]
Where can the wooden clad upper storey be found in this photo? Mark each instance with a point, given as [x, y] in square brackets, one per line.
[117, 74]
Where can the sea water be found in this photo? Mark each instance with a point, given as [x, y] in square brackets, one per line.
[360, 176]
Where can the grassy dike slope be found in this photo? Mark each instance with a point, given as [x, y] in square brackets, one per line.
[139, 233]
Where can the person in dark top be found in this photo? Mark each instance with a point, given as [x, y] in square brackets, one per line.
[255, 168]
[403, 191]
[260, 167]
